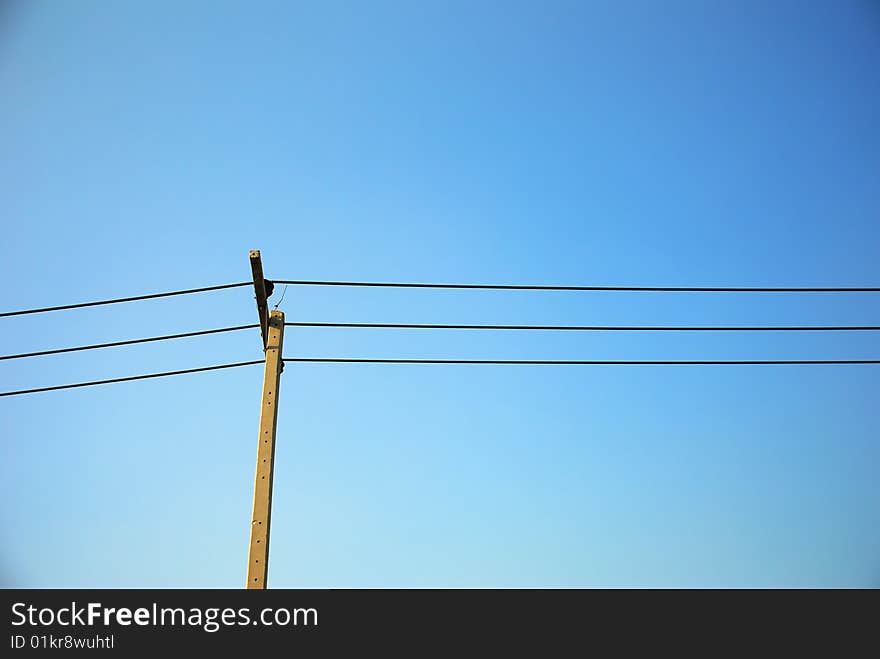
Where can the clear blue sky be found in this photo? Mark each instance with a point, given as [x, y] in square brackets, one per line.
[148, 146]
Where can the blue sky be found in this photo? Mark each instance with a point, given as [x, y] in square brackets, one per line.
[148, 146]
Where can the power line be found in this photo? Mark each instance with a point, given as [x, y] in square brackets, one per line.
[523, 287]
[497, 362]
[128, 342]
[591, 328]
[129, 378]
[236, 328]
[681, 289]
[566, 362]
[123, 299]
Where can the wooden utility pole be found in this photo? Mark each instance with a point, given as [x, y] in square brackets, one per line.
[258, 555]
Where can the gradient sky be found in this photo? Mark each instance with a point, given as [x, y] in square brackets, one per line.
[148, 146]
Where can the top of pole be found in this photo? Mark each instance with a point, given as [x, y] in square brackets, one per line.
[260, 294]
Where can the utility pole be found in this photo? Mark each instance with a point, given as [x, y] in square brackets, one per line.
[273, 339]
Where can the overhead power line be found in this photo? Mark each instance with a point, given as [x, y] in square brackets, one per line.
[129, 378]
[523, 287]
[567, 362]
[236, 328]
[96, 303]
[593, 328]
[113, 344]
[495, 362]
